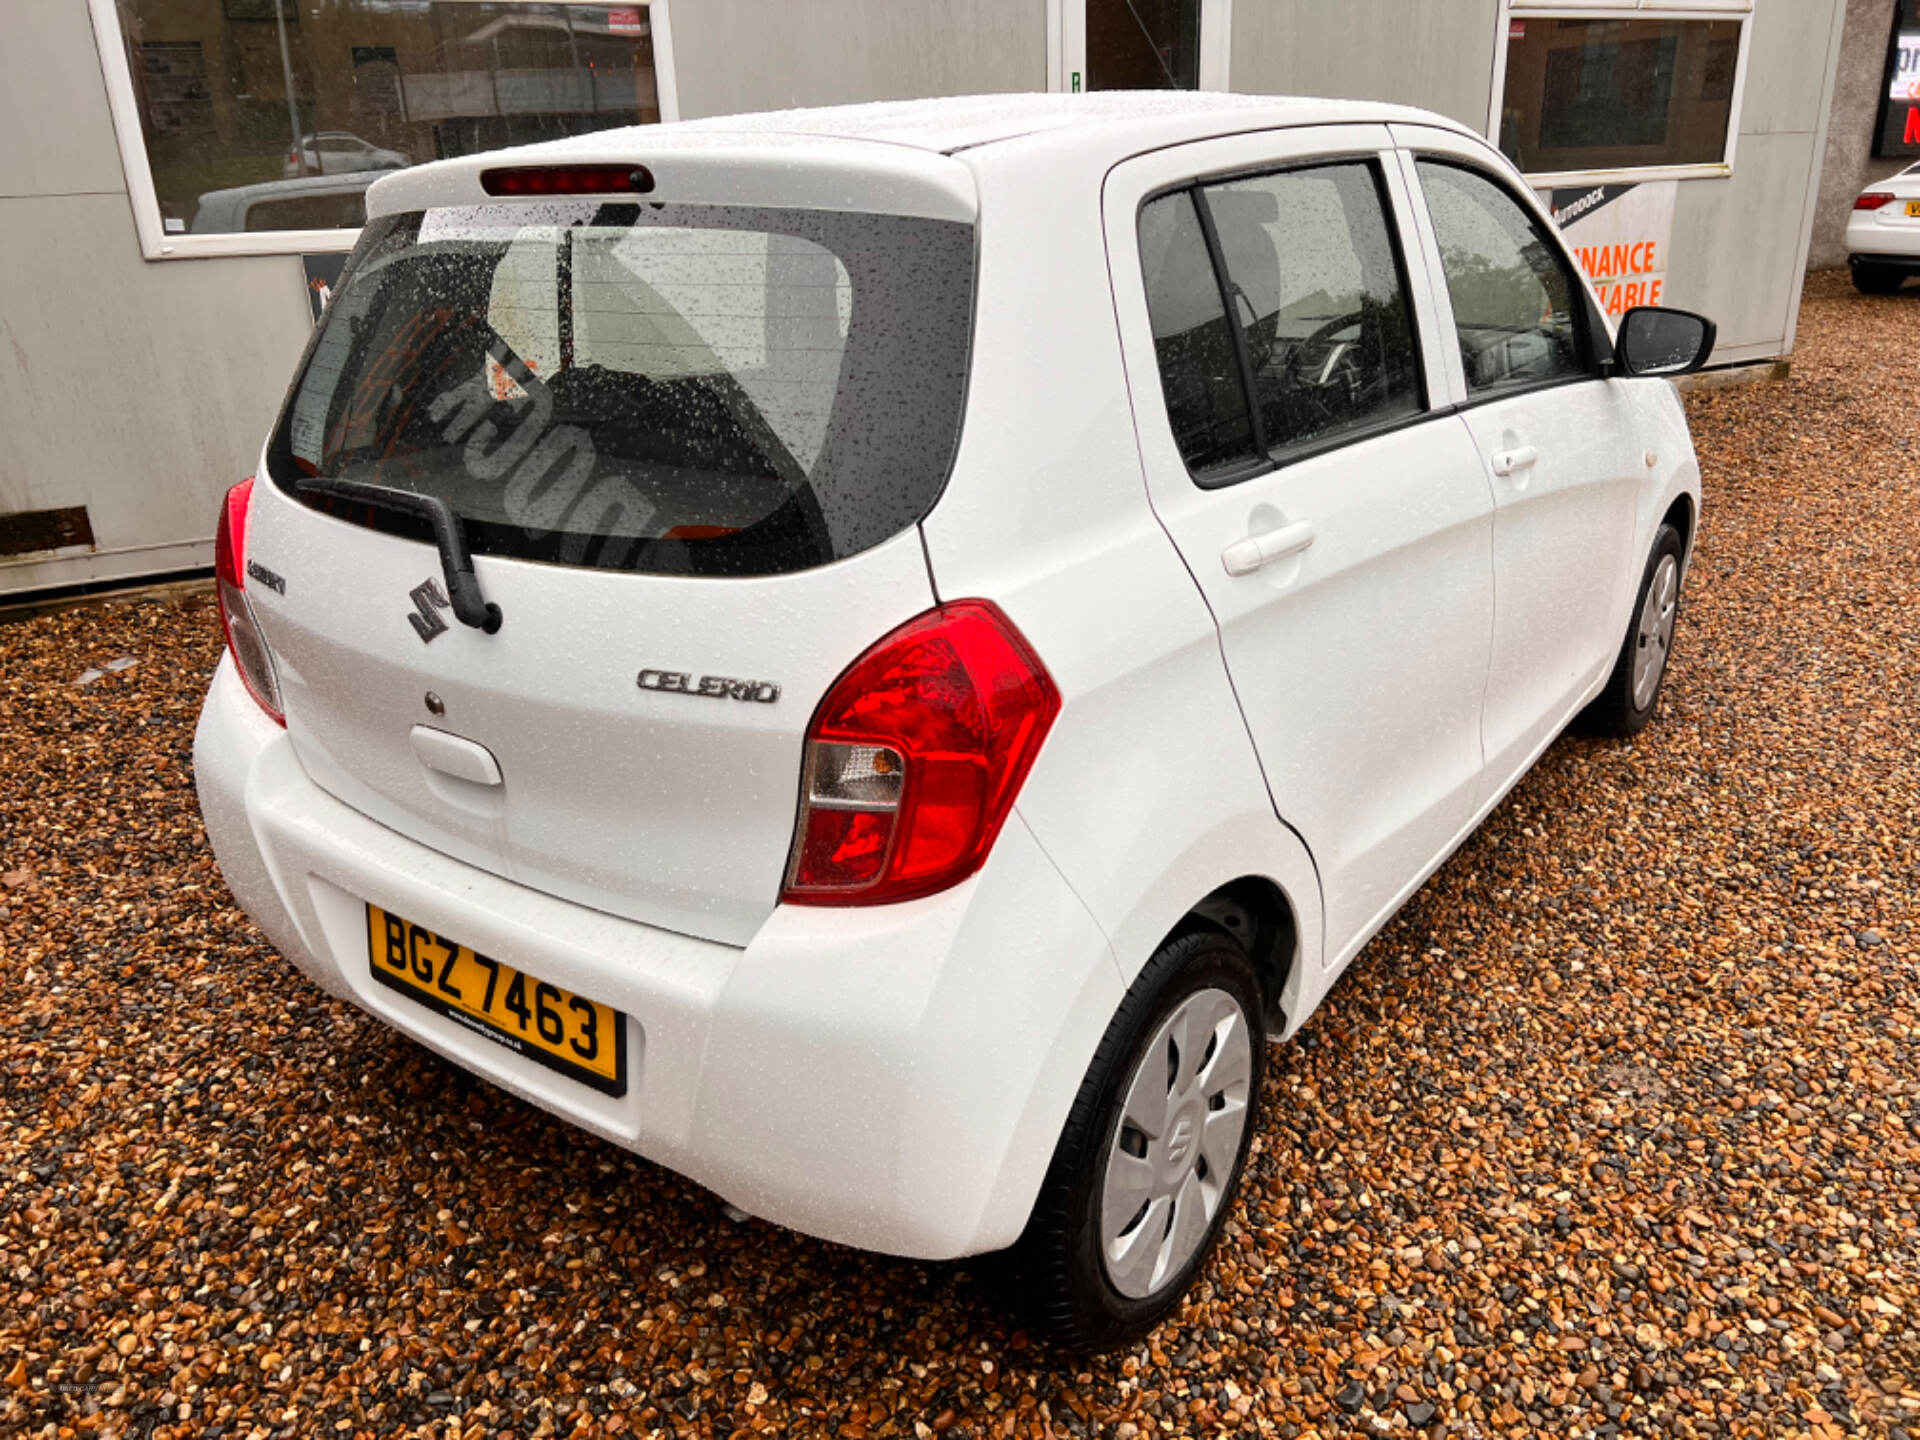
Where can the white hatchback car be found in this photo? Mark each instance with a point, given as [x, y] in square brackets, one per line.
[873, 656]
[1883, 233]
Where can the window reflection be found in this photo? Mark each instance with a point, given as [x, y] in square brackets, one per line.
[277, 114]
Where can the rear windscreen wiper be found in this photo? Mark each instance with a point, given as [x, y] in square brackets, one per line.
[463, 586]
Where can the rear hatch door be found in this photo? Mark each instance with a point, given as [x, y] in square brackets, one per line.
[689, 445]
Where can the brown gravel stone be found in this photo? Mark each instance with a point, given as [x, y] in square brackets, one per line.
[1615, 1126]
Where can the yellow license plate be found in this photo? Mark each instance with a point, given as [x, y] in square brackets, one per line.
[1913, 207]
[578, 1037]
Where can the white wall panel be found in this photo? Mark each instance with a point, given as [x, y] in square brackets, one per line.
[140, 390]
[1736, 242]
[1435, 53]
[53, 104]
[733, 56]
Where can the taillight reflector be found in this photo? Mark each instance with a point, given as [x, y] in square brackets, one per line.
[915, 756]
[245, 643]
[568, 180]
[1873, 200]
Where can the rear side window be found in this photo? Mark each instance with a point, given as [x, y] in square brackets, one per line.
[1315, 280]
[1517, 308]
[666, 389]
[1280, 315]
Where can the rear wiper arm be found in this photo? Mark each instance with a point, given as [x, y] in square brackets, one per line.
[449, 536]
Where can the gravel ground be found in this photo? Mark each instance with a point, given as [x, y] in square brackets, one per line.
[1613, 1130]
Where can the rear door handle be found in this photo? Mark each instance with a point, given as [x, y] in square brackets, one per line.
[1243, 557]
[1505, 462]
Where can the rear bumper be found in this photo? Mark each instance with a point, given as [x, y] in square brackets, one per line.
[1872, 241]
[893, 1078]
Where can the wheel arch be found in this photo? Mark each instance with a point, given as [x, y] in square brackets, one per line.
[1254, 911]
[1680, 515]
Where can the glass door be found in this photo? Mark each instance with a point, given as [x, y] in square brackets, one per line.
[1139, 44]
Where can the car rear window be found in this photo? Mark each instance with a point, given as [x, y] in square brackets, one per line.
[671, 389]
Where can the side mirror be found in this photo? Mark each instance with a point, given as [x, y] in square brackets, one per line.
[1657, 341]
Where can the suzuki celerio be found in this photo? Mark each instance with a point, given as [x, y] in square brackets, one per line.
[876, 657]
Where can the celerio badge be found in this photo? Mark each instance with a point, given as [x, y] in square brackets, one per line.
[711, 687]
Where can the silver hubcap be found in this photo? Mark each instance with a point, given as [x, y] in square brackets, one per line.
[1655, 635]
[1173, 1150]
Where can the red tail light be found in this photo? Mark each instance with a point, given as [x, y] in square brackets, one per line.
[1873, 200]
[244, 641]
[915, 756]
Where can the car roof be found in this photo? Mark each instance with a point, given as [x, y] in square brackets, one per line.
[901, 153]
[946, 126]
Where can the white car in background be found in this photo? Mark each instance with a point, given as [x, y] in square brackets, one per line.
[340, 152]
[1883, 233]
[877, 656]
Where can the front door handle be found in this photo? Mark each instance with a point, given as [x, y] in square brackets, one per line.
[1243, 557]
[1505, 462]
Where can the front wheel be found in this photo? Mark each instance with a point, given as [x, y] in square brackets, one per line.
[1626, 705]
[1151, 1156]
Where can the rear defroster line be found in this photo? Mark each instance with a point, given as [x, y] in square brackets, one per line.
[449, 536]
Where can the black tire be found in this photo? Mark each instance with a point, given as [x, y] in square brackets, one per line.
[1614, 711]
[1877, 279]
[1054, 1273]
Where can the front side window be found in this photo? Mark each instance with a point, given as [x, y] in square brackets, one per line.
[674, 389]
[1618, 94]
[1316, 289]
[1517, 308]
[270, 100]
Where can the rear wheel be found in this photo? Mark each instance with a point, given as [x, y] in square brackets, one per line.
[1152, 1153]
[1877, 279]
[1626, 705]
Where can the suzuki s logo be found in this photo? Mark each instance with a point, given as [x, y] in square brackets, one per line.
[274, 582]
[428, 601]
[1179, 1140]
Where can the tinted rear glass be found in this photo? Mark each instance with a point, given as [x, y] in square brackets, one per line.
[660, 388]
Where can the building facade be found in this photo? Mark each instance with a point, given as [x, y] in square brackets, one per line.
[185, 174]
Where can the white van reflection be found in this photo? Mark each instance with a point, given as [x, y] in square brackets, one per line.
[318, 202]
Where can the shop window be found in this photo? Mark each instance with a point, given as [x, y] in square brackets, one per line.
[1618, 94]
[261, 115]
[1899, 133]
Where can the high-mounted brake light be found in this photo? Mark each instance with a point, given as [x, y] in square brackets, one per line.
[1873, 200]
[244, 641]
[568, 180]
[915, 756]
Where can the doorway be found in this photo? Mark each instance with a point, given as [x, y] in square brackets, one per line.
[1139, 44]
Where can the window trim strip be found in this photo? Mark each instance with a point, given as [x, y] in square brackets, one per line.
[1242, 356]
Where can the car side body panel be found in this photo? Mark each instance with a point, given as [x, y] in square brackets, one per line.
[1147, 794]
